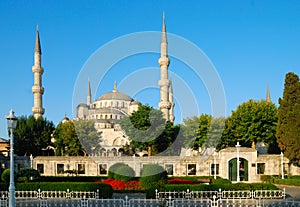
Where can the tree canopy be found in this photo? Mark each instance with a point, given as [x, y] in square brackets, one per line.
[252, 122]
[32, 135]
[202, 132]
[147, 129]
[288, 130]
[195, 131]
[76, 138]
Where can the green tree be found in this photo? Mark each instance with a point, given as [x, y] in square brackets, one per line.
[195, 131]
[252, 122]
[288, 130]
[32, 135]
[76, 138]
[215, 132]
[88, 136]
[146, 128]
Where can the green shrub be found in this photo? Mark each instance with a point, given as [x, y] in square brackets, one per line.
[5, 177]
[291, 181]
[153, 175]
[30, 174]
[124, 173]
[105, 191]
[68, 178]
[220, 181]
[112, 170]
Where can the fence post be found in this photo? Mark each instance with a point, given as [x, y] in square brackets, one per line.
[283, 193]
[220, 193]
[156, 194]
[3, 201]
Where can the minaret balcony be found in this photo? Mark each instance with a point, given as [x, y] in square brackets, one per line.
[37, 69]
[37, 89]
[164, 60]
[38, 110]
[164, 105]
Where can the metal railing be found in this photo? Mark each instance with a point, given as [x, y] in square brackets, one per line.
[260, 198]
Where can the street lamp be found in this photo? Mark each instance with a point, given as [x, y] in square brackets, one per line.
[11, 124]
[282, 171]
[238, 161]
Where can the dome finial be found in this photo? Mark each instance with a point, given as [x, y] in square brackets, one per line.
[115, 87]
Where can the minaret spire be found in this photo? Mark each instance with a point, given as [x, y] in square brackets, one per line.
[164, 83]
[268, 97]
[115, 87]
[89, 93]
[38, 70]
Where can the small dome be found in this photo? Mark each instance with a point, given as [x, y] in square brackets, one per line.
[83, 105]
[115, 95]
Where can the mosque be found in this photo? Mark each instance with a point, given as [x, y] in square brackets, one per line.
[112, 106]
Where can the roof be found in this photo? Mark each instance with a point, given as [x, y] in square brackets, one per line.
[3, 140]
[242, 149]
[115, 95]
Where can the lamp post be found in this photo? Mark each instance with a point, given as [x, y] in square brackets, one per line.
[11, 124]
[215, 165]
[238, 161]
[282, 170]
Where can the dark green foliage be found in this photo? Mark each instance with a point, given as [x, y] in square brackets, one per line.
[5, 176]
[220, 181]
[288, 129]
[153, 175]
[76, 138]
[203, 131]
[32, 135]
[105, 191]
[29, 174]
[195, 131]
[147, 130]
[88, 136]
[124, 173]
[113, 169]
[275, 179]
[68, 178]
[252, 122]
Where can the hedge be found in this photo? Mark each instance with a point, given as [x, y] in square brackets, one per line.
[124, 173]
[69, 178]
[105, 191]
[153, 176]
[113, 169]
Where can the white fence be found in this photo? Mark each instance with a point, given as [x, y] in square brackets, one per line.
[260, 198]
[242, 194]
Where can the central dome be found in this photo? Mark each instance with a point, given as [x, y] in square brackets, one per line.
[115, 95]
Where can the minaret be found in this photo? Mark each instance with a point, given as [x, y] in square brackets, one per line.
[268, 97]
[164, 83]
[37, 88]
[89, 94]
[171, 114]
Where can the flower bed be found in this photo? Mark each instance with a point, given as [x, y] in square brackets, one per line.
[121, 185]
[182, 181]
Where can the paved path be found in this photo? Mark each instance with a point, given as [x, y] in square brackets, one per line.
[292, 192]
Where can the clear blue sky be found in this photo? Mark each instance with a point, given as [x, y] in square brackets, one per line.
[251, 43]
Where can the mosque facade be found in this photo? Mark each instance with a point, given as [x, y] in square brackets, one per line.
[110, 107]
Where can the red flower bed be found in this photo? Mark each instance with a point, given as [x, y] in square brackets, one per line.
[181, 181]
[121, 185]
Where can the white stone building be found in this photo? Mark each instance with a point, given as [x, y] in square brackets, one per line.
[105, 111]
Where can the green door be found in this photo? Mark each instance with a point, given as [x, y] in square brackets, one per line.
[243, 169]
